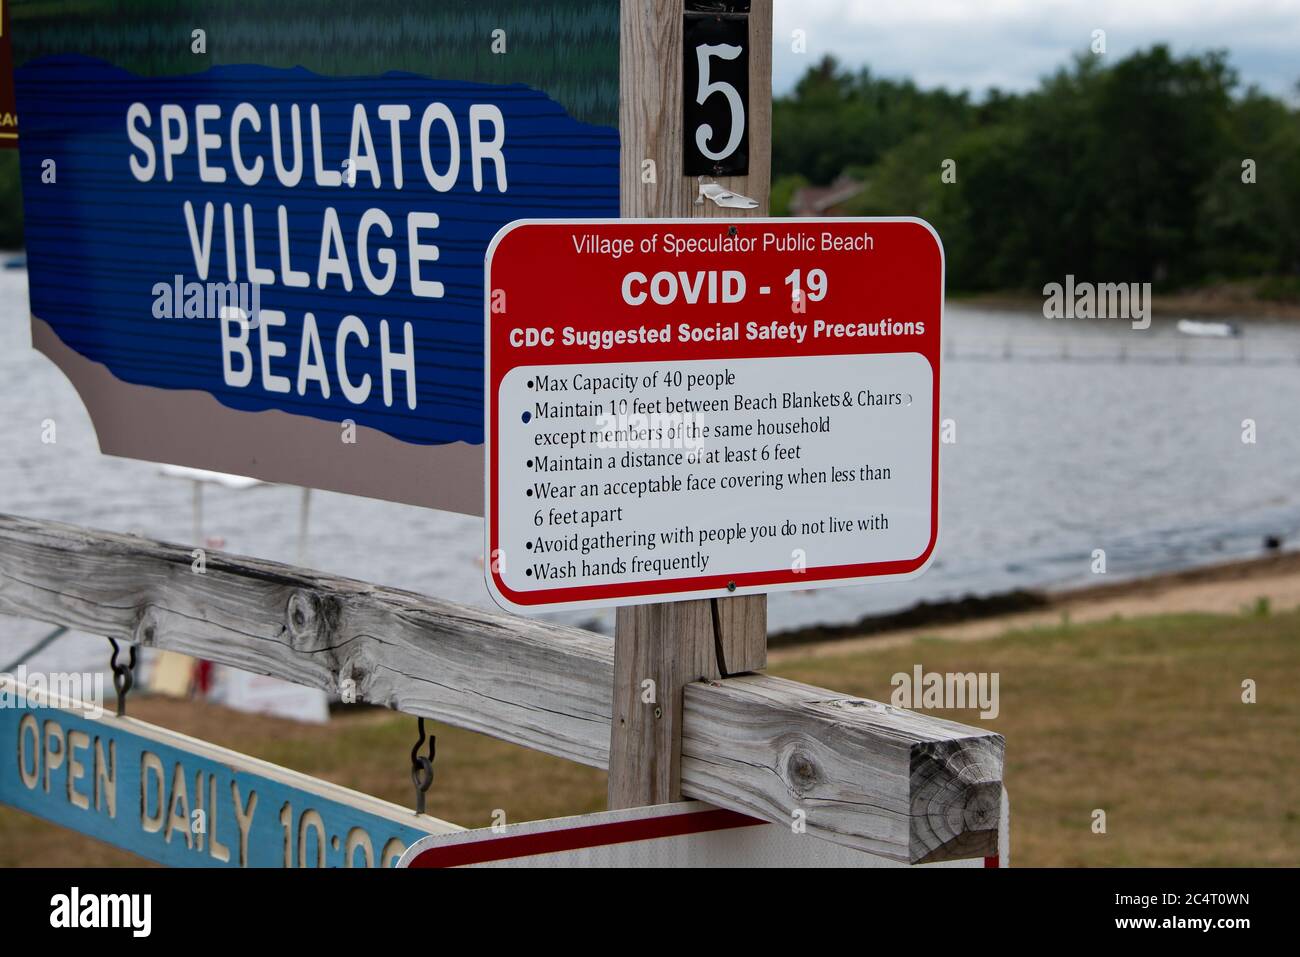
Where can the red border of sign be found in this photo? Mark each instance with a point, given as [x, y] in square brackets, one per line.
[709, 586]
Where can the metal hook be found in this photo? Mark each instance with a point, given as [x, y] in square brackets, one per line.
[422, 768]
[123, 676]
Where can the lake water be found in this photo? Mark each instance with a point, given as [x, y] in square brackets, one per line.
[1053, 458]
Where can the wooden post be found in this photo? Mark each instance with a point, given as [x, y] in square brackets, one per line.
[676, 643]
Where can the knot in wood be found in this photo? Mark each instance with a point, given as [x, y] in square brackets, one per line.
[982, 810]
[146, 627]
[309, 619]
[359, 665]
[860, 704]
[801, 771]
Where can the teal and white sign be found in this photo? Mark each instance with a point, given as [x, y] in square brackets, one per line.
[184, 803]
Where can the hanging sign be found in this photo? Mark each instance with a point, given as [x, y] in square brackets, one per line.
[697, 408]
[181, 802]
[686, 834]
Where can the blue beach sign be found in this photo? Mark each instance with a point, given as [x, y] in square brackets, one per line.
[185, 803]
[271, 262]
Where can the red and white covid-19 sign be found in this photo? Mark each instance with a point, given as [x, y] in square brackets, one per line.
[701, 408]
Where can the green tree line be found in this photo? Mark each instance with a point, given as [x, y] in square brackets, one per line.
[1135, 171]
[1125, 172]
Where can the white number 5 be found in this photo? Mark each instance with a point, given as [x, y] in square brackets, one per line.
[704, 132]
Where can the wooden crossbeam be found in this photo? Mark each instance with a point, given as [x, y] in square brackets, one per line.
[906, 786]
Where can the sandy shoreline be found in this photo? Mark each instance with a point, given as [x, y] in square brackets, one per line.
[1219, 589]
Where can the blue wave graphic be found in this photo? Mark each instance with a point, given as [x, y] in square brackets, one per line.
[99, 239]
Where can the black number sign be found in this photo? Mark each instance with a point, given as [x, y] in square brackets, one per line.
[715, 95]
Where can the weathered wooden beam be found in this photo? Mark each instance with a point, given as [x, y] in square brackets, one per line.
[904, 785]
[540, 685]
[907, 786]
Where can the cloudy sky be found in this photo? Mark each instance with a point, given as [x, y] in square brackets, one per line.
[977, 44]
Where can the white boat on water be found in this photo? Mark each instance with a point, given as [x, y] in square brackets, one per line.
[1214, 330]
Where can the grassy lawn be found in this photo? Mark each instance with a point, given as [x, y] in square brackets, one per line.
[1142, 718]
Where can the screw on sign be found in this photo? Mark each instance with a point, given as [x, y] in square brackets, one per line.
[727, 408]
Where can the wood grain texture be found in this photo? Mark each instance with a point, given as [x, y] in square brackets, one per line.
[540, 685]
[650, 110]
[743, 731]
[907, 786]
[669, 644]
[957, 797]
[741, 632]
